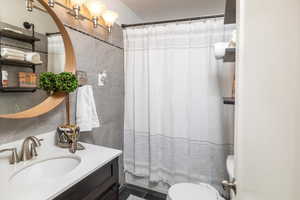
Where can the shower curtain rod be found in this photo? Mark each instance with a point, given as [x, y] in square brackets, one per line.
[172, 21]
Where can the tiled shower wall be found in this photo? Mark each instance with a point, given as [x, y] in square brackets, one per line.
[93, 56]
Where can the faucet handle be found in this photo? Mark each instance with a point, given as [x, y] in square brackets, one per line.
[37, 140]
[14, 155]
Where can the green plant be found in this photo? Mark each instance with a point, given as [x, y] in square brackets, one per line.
[63, 82]
[66, 82]
[48, 82]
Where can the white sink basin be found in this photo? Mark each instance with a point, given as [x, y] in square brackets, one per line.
[52, 172]
[45, 170]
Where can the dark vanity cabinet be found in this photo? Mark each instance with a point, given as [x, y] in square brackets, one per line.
[102, 184]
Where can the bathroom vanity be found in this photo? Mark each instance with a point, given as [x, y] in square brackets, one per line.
[103, 184]
[91, 174]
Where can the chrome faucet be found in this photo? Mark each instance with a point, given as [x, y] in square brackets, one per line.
[14, 155]
[29, 146]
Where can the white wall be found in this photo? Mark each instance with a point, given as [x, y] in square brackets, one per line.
[14, 12]
[126, 15]
[268, 110]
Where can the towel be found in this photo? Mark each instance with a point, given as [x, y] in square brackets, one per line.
[14, 54]
[220, 49]
[86, 113]
[14, 58]
[6, 52]
[33, 57]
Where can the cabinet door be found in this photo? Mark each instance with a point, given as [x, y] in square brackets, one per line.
[96, 185]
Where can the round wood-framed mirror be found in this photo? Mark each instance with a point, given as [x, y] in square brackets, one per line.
[56, 99]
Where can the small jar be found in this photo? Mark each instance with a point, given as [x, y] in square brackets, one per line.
[4, 79]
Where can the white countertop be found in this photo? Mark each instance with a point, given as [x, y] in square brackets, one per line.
[92, 158]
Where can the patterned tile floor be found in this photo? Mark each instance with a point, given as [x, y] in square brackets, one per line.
[143, 193]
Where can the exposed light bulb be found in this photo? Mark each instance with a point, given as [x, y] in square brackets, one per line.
[51, 3]
[29, 5]
[110, 18]
[96, 8]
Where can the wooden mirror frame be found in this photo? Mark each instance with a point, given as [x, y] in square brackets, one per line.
[70, 66]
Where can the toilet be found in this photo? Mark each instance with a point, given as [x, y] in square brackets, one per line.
[199, 191]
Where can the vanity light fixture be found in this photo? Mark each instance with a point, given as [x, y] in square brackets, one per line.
[76, 7]
[51, 3]
[29, 5]
[110, 18]
[96, 9]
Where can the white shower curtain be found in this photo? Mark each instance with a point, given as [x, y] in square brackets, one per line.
[174, 127]
[56, 54]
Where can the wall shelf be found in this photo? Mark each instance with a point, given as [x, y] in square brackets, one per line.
[19, 36]
[229, 55]
[17, 63]
[229, 100]
[17, 89]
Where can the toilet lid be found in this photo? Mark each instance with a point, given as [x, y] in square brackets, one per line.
[190, 191]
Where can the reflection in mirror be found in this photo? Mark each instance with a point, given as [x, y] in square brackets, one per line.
[26, 51]
[56, 53]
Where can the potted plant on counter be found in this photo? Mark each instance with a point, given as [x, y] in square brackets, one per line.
[67, 135]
